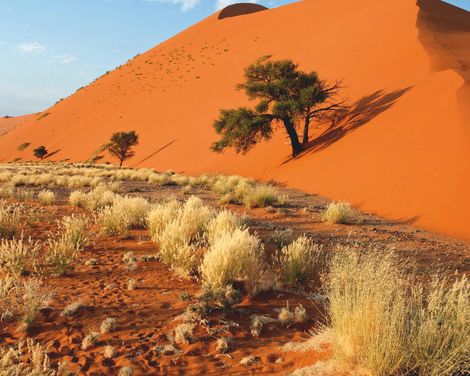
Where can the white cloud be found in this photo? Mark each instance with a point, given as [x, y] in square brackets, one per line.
[31, 48]
[184, 4]
[224, 3]
[65, 58]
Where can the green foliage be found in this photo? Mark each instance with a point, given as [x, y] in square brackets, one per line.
[40, 152]
[285, 96]
[121, 145]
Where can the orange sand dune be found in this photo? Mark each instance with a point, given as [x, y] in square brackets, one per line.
[403, 150]
[8, 123]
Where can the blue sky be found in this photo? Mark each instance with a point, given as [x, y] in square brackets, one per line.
[49, 48]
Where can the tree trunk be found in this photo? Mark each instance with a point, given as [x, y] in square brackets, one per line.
[121, 161]
[306, 127]
[294, 138]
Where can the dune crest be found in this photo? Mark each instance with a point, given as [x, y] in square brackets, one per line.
[401, 151]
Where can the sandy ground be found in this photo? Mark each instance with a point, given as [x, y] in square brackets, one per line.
[402, 150]
[146, 316]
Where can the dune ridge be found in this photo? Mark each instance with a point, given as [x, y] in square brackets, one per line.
[402, 150]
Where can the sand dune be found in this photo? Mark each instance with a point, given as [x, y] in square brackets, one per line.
[403, 150]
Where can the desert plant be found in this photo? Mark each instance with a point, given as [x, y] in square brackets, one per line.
[40, 152]
[225, 222]
[34, 298]
[73, 308]
[286, 95]
[18, 256]
[233, 256]
[108, 325]
[46, 197]
[182, 333]
[121, 145]
[73, 229]
[61, 255]
[10, 218]
[298, 260]
[408, 328]
[261, 196]
[27, 358]
[337, 212]
[90, 340]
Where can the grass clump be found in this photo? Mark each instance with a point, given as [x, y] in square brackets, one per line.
[46, 197]
[338, 212]
[10, 218]
[61, 256]
[18, 256]
[74, 231]
[233, 256]
[90, 340]
[383, 322]
[298, 261]
[181, 240]
[108, 325]
[27, 358]
[225, 222]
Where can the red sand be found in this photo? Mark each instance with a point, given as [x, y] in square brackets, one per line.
[403, 152]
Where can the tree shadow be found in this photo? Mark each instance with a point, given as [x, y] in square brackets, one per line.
[345, 121]
[52, 153]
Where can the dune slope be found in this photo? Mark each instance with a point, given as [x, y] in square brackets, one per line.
[403, 150]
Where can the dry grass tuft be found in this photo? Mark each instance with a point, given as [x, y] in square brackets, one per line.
[108, 325]
[233, 256]
[338, 212]
[408, 329]
[18, 256]
[73, 308]
[46, 197]
[90, 340]
[299, 260]
[10, 218]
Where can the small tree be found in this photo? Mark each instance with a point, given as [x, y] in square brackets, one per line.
[285, 95]
[40, 152]
[121, 145]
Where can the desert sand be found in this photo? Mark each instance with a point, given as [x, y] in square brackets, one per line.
[403, 151]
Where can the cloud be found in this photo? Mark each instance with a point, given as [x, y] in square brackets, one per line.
[65, 58]
[224, 3]
[184, 4]
[31, 48]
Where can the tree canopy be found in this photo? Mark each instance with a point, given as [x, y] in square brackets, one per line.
[285, 96]
[121, 145]
[40, 152]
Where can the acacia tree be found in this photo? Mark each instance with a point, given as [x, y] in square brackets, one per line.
[285, 95]
[121, 145]
[40, 152]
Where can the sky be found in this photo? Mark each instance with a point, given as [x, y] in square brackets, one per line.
[49, 48]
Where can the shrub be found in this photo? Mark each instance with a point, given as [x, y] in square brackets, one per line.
[96, 199]
[73, 308]
[233, 256]
[18, 256]
[160, 215]
[298, 260]
[90, 340]
[46, 197]
[113, 222]
[338, 212]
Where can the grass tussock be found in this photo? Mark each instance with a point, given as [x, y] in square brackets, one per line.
[338, 212]
[10, 219]
[180, 233]
[46, 197]
[18, 256]
[233, 256]
[299, 260]
[382, 322]
[27, 358]
[23, 299]
[124, 214]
